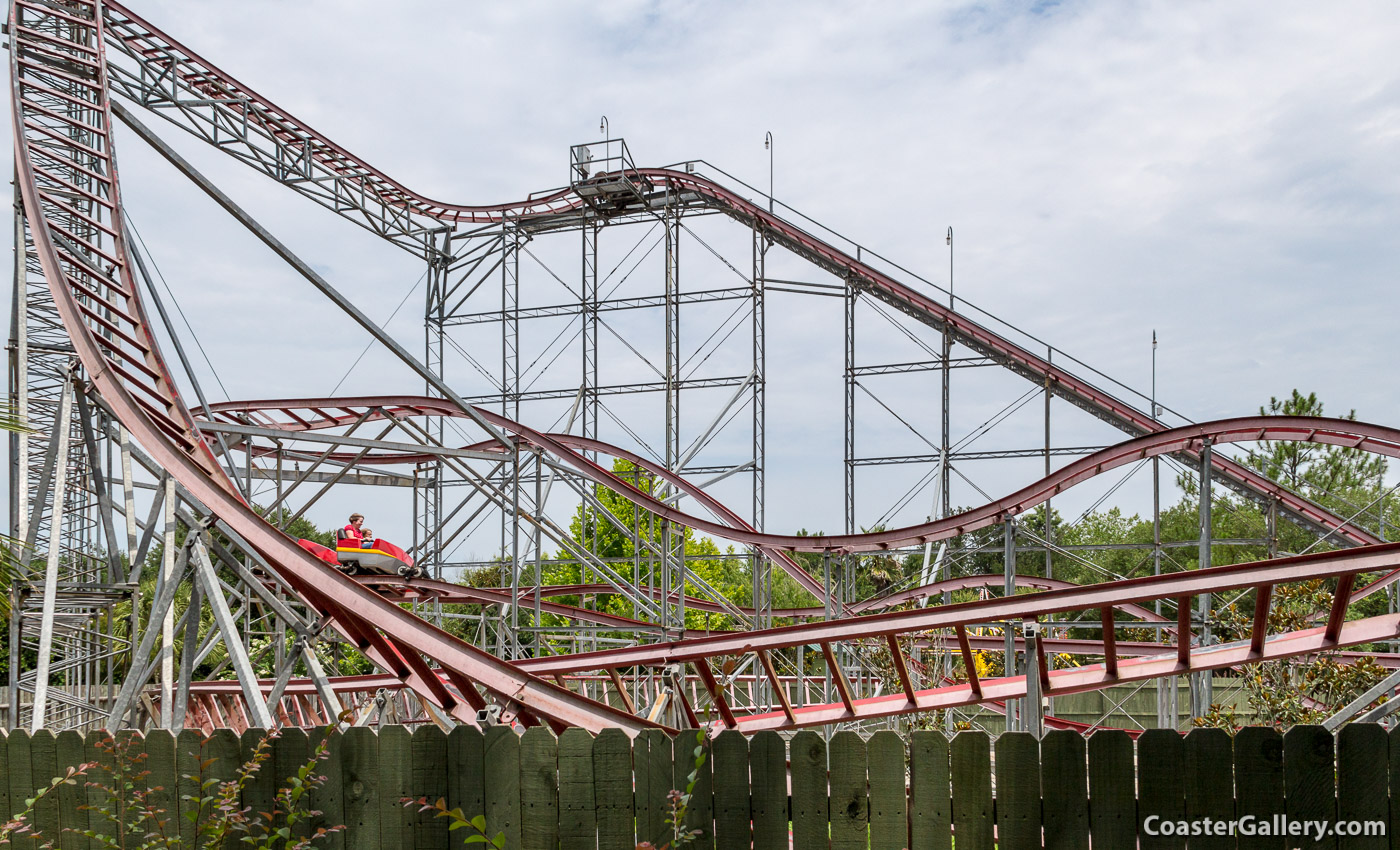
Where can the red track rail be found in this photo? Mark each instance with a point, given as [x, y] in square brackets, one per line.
[311, 414]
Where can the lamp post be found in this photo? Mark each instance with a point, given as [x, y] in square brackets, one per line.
[603, 127]
[950, 267]
[768, 146]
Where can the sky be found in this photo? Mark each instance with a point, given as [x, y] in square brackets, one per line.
[1223, 174]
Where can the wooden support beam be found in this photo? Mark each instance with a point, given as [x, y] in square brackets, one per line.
[1183, 630]
[969, 662]
[901, 667]
[1262, 597]
[777, 684]
[717, 695]
[1339, 606]
[1110, 641]
[843, 687]
[622, 691]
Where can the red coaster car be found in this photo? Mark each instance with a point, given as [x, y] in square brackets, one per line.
[376, 557]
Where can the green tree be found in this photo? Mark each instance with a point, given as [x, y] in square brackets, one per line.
[1334, 476]
[614, 539]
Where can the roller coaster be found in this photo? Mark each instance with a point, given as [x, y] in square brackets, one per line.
[124, 461]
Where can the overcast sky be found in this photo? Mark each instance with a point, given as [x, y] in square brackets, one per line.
[1225, 173]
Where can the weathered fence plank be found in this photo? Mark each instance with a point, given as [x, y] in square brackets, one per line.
[1112, 804]
[972, 791]
[1259, 784]
[612, 788]
[809, 807]
[1161, 761]
[43, 751]
[732, 790]
[189, 753]
[429, 780]
[1363, 756]
[161, 780]
[930, 803]
[466, 777]
[889, 816]
[1309, 791]
[848, 802]
[328, 797]
[768, 778]
[1394, 829]
[1062, 782]
[1210, 789]
[653, 761]
[578, 825]
[290, 750]
[20, 778]
[5, 810]
[699, 814]
[71, 797]
[1018, 791]
[221, 766]
[395, 768]
[261, 789]
[503, 783]
[359, 761]
[539, 789]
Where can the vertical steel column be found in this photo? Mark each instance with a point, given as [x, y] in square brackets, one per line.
[1201, 683]
[1049, 525]
[1049, 535]
[439, 260]
[1008, 568]
[588, 312]
[19, 386]
[19, 444]
[945, 445]
[673, 340]
[850, 406]
[670, 559]
[760, 568]
[167, 622]
[510, 407]
[1166, 687]
[536, 456]
[50, 599]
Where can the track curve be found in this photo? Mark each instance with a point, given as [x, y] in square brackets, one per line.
[1379, 439]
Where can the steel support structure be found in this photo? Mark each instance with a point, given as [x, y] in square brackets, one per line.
[85, 366]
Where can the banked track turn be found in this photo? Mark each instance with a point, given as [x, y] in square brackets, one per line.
[60, 80]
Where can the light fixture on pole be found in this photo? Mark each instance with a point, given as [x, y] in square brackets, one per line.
[768, 146]
[950, 267]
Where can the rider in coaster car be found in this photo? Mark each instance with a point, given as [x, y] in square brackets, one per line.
[351, 533]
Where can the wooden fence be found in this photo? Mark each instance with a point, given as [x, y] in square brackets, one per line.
[886, 791]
